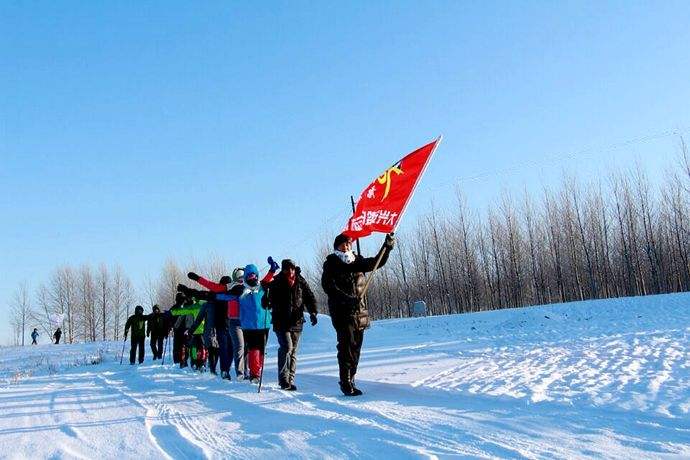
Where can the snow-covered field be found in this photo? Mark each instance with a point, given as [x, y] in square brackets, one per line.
[606, 379]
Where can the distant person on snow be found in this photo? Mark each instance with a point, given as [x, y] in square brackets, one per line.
[34, 336]
[287, 297]
[57, 335]
[138, 324]
[157, 329]
[343, 281]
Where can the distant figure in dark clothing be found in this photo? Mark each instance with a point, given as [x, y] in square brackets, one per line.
[34, 336]
[157, 329]
[57, 335]
[138, 324]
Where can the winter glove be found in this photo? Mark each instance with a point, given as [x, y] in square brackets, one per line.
[274, 265]
[389, 242]
[312, 318]
[193, 276]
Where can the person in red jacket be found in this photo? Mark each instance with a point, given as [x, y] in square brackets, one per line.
[235, 333]
[216, 319]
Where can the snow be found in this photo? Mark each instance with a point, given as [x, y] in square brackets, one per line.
[606, 379]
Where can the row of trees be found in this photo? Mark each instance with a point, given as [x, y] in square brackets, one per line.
[87, 303]
[91, 304]
[582, 241]
[623, 237]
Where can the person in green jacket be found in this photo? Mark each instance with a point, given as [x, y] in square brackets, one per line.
[186, 314]
[138, 324]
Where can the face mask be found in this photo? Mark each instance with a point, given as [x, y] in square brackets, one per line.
[253, 282]
[347, 257]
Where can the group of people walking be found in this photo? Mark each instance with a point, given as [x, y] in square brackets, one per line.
[228, 321]
[56, 336]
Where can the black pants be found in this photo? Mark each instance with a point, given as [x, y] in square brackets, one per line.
[57, 340]
[137, 342]
[178, 343]
[213, 358]
[157, 346]
[350, 341]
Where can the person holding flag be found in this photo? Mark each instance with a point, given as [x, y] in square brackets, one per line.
[380, 207]
[344, 283]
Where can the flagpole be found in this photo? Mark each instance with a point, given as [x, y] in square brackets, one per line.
[378, 259]
[352, 201]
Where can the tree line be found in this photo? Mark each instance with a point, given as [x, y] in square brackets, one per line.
[92, 303]
[617, 237]
[583, 240]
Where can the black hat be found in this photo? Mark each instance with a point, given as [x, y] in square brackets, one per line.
[179, 297]
[340, 239]
[225, 280]
[138, 309]
[287, 263]
[156, 307]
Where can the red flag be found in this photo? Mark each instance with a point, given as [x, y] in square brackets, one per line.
[383, 202]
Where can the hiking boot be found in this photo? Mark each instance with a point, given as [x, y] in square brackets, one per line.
[346, 388]
[225, 375]
[284, 385]
[292, 387]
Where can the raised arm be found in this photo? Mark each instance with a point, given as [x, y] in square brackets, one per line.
[367, 264]
[208, 284]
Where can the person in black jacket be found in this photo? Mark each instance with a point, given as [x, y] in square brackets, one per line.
[178, 336]
[288, 294]
[156, 328]
[343, 281]
[57, 335]
[138, 324]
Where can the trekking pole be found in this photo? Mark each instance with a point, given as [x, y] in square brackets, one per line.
[123, 350]
[165, 348]
[263, 355]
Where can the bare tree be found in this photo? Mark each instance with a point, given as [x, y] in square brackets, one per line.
[21, 310]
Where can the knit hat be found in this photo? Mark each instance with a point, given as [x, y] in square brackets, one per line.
[340, 239]
[225, 280]
[250, 271]
[138, 309]
[287, 263]
[156, 307]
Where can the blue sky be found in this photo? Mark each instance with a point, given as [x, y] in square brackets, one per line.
[131, 132]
